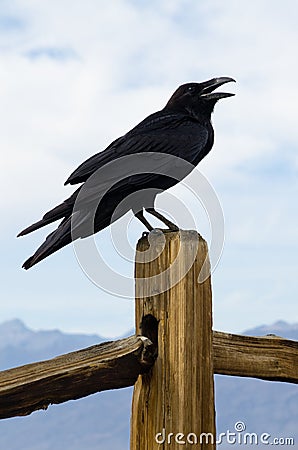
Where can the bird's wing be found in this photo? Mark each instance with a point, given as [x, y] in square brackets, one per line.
[161, 132]
[134, 161]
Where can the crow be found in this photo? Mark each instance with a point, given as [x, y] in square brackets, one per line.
[155, 155]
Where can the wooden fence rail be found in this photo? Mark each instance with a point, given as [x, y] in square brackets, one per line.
[268, 358]
[117, 364]
[110, 365]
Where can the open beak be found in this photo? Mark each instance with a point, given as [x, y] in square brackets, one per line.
[209, 86]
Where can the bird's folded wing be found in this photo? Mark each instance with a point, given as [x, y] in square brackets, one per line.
[173, 134]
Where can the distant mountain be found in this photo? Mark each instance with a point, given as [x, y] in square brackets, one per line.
[20, 345]
[101, 421]
[279, 328]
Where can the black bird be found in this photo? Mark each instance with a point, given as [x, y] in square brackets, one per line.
[133, 169]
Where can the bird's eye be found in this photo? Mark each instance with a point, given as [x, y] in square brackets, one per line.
[190, 88]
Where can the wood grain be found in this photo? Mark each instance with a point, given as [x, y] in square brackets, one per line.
[34, 386]
[269, 357]
[110, 365]
[178, 394]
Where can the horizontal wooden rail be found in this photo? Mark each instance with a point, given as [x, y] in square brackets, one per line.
[269, 358]
[110, 365]
[117, 364]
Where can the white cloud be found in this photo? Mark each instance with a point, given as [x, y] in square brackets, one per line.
[75, 75]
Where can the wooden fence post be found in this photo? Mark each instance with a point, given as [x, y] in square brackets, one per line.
[173, 405]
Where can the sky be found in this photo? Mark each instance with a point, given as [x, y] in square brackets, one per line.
[76, 75]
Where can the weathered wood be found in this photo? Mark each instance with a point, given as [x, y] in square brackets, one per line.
[269, 358]
[110, 365]
[177, 395]
[28, 388]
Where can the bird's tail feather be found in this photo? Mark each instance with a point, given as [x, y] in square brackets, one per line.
[35, 226]
[60, 211]
[54, 241]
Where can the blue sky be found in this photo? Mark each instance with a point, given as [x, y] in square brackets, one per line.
[76, 75]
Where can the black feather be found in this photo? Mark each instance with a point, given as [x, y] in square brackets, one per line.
[182, 128]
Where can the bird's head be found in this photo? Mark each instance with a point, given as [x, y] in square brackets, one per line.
[199, 98]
